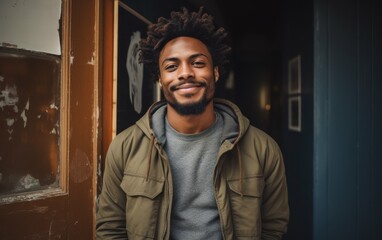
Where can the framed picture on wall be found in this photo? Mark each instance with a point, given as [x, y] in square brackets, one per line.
[294, 75]
[133, 88]
[294, 113]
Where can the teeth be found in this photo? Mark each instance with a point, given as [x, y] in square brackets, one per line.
[188, 86]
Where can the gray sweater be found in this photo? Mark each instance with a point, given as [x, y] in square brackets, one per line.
[192, 160]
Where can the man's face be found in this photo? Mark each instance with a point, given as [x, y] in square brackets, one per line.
[187, 75]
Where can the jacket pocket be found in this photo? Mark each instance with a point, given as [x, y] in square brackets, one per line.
[143, 199]
[245, 199]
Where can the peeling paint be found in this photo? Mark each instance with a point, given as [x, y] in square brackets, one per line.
[97, 120]
[99, 166]
[53, 131]
[8, 96]
[10, 122]
[24, 117]
[8, 104]
[53, 106]
[32, 196]
[92, 60]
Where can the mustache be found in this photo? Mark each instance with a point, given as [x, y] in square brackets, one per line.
[193, 82]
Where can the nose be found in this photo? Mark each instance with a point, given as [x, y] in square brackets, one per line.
[185, 71]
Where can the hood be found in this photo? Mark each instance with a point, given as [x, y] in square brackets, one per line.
[235, 124]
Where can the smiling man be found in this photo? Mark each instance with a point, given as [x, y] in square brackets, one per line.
[187, 78]
[193, 167]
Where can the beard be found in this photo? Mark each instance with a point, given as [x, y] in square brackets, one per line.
[192, 108]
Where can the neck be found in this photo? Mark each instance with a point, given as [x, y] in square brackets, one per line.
[191, 124]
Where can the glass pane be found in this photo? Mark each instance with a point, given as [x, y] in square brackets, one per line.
[29, 121]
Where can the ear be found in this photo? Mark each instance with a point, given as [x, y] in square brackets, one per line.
[159, 81]
[216, 73]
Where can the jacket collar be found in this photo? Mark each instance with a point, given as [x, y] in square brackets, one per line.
[235, 123]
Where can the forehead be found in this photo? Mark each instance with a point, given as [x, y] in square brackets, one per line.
[183, 47]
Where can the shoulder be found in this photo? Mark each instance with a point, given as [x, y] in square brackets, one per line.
[260, 138]
[126, 137]
[263, 147]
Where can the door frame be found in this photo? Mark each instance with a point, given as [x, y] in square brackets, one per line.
[69, 213]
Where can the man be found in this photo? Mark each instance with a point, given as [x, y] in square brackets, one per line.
[193, 167]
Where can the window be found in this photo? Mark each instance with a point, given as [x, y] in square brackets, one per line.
[32, 128]
[29, 121]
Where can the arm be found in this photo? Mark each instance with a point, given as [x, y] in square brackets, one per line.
[275, 207]
[110, 222]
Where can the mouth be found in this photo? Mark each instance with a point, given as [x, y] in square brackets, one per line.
[187, 86]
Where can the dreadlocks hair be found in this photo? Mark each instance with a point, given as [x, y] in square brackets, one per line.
[198, 25]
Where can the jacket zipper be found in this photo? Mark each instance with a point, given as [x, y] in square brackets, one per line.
[166, 218]
[216, 175]
[167, 194]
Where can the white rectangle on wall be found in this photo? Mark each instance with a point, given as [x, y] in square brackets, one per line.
[31, 25]
[294, 113]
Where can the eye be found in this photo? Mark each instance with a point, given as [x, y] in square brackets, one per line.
[171, 67]
[198, 64]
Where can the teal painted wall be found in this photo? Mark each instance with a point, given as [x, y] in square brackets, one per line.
[333, 163]
[347, 120]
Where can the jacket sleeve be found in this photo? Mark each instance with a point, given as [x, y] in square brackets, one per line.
[275, 206]
[110, 216]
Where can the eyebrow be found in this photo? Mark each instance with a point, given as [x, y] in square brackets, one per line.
[191, 57]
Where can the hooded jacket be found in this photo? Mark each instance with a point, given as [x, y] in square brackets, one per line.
[249, 181]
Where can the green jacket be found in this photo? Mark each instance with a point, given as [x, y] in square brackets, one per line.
[249, 182]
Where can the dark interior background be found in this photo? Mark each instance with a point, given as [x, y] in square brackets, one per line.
[255, 29]
[332, 163]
